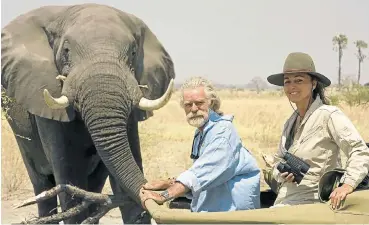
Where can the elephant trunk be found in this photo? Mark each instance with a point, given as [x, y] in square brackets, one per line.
[106, 99]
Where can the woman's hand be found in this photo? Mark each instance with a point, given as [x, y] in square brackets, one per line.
[339, 194]
[146, 194]
[288, 177]
[159, 185]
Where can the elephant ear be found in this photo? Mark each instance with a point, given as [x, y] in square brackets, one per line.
[27, 63]
[157, 67]
[157, 62]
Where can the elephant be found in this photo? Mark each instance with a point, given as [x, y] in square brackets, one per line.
[80, 78]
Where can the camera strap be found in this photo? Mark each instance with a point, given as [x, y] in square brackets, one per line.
[195, 153]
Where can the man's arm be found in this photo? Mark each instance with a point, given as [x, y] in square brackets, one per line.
[215, 166]
[174, 191]
[218, 161]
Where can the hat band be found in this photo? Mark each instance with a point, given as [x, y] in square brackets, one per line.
[297, 70]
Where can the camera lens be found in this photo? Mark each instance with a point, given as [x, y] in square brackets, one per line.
[280, 167]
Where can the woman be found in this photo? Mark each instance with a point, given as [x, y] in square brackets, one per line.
[316, 133]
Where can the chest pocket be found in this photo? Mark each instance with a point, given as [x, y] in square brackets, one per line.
[310, 133]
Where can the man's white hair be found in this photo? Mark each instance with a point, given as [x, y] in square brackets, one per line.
[209, 89]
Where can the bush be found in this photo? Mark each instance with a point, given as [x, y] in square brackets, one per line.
[353, 95]
[356, 95]
[6, 103]
[334, 100]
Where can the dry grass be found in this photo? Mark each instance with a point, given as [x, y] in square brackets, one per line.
[166, 138]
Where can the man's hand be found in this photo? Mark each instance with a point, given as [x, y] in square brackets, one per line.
[146, 194]
[288, 177]
[339, 194]
[175, 190]
[159, 184]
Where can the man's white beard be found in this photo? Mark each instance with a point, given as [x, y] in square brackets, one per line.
[196, 120]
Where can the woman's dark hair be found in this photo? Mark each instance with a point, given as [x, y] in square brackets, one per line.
[320, 89]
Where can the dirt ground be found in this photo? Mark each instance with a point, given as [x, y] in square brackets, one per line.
[11, 215]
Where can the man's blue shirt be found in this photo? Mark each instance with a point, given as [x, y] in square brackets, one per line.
[225, 177]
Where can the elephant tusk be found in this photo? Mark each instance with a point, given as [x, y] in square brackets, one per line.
[150, 105]
[55, 103]
[61, 77]
[143, 86]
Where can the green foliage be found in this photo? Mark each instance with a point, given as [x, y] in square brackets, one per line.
[356, 95]
[360, 45]
[334, 100]
[340, 41]
[6, 103]
[352, 95]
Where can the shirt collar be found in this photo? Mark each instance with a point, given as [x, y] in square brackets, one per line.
[213, 119]
[315, 105]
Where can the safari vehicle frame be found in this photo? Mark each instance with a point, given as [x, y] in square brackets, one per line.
[355, 210]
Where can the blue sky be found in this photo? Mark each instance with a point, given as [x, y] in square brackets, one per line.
[230, 42]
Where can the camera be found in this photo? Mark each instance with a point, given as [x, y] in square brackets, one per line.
[293, 165]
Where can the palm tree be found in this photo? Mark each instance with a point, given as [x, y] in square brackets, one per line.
[340, 43]
[360, 44]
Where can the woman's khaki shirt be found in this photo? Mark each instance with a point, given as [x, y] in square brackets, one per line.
[323, 132]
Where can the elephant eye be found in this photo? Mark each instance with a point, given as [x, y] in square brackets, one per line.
[65, 58]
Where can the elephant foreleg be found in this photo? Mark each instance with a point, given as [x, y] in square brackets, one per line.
[131, 212]
[29, 144]
[39, 181]
[63, 144]
[96, 182]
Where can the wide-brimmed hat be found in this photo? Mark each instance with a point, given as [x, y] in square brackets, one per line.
[328, 182]
[298, 62]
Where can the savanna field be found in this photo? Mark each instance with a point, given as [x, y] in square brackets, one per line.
[166, 138]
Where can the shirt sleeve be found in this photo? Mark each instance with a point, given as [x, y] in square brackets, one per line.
[275, 172]
[277, 158]
[216, 165]
[352, 144]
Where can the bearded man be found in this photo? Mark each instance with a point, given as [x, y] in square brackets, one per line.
[224, 175]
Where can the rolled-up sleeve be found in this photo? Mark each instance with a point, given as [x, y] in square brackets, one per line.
[277, 158]
[215, 166]
[352, 144]
[276, 174]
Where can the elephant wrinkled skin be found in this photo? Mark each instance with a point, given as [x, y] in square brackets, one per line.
[82, 77]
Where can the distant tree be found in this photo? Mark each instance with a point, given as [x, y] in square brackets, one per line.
[258, 84]
[360, 44]
[340, 43]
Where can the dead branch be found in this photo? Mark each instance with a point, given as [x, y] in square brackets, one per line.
[97, 215]
[77, 192]
[59, 216]
[107, 203]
